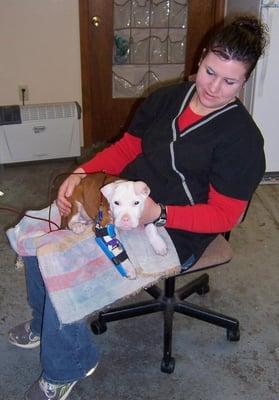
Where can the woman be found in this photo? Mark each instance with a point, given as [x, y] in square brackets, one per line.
[201, 154]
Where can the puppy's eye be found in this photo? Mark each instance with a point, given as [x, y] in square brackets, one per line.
[116, 203]
[136, 203]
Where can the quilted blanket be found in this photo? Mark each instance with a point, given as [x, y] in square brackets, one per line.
[79, 277]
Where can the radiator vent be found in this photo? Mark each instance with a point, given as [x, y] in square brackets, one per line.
[39, 132]
[38, 112]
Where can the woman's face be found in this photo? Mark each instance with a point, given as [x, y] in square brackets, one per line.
[219, 81]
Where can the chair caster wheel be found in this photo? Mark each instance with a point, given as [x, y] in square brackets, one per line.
[233, 335]
[168, 366]
[203, 290]
[98, 327]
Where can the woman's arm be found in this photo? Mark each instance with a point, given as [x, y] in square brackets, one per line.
[114, 158]
[220, 214]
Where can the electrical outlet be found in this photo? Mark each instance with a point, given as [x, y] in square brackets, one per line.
[21, 89]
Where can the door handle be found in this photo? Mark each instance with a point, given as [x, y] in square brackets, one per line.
[96, 20]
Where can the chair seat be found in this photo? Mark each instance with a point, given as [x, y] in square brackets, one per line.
[217, 252]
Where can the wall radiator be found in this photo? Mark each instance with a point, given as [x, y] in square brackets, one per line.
[39, 132]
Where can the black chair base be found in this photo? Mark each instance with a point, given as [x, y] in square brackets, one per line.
[170, 301]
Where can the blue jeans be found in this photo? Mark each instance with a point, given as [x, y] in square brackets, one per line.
[67, 351]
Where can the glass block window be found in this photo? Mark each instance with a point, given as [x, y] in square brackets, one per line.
[149, 45]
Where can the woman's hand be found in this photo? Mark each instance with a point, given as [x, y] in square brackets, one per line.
[66, 190]
[151, 211]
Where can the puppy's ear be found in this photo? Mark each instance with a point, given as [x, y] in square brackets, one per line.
[141, 188]
[108, 190]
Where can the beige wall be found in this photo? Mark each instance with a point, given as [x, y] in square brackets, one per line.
[39, 42]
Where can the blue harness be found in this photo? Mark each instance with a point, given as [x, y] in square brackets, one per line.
[111, 246]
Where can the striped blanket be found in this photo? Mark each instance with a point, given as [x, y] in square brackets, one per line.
[79, 277]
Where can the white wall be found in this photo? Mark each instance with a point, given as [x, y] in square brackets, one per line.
[40, 47]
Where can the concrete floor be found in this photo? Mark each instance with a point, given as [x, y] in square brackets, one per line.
[208, 367]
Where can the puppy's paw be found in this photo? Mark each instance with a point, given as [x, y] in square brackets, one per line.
[130, 270]
[159, 246]
[78, 227]
[155, 239]
[131, 274]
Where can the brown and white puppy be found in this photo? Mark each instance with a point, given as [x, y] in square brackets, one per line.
[122, 201]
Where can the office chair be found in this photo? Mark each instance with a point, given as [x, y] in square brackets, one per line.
[169, 301]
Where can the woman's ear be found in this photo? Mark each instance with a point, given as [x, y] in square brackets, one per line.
[192, 78]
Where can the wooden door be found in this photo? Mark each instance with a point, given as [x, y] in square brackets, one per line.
[105, 117]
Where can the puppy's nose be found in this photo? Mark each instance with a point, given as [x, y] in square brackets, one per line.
[125, 218]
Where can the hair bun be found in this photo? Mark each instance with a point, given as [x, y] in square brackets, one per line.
[243, 39]
[253, 25]
[256, 29]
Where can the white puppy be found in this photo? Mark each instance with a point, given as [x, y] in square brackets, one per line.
[126, 200]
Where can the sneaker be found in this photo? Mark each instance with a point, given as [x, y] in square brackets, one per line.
[43, 390]
[22, 336]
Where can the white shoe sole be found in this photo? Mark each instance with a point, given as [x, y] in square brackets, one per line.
[31, 345]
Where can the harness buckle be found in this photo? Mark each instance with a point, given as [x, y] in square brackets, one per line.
[111, 246]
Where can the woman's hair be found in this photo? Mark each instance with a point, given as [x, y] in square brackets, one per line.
[244, 39]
